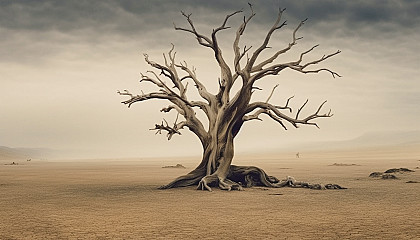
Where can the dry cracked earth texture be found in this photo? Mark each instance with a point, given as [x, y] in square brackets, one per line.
[110, 199]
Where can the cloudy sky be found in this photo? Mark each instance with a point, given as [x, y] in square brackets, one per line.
[62, 62]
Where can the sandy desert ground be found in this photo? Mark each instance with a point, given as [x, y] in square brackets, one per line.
[118, 199]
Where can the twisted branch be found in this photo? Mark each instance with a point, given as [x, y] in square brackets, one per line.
[274, 113]
[211, 42]
[261, 70]
[164, 126]
[200, 86]
[263, 46]
[179, 100]
[202, 40]
[236, 49]
[260, 66]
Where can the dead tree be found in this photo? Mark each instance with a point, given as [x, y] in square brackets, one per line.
[226, 112]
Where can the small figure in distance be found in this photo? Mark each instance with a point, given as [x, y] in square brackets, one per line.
[297, 155]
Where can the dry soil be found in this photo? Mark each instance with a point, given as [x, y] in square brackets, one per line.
[118, 199]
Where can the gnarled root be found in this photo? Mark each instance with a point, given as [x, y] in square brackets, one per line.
[213, 180]
[249, 176]
[239, 177]
[190, 179]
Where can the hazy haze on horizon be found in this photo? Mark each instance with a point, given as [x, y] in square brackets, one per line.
[62, 62]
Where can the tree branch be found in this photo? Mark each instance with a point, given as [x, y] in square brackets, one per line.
[164, 126]
[297, 66]
[274, 113]
[226, 75]
[300, 68]
[282, 51]
[256, 116]
[236, 49]
[263, 46]
[180, 101]
[169, 70]
[202, 40]
[216, 48]
[223, 26]
[200, 86]
[143, 97]
[170, 107]
[271, 94]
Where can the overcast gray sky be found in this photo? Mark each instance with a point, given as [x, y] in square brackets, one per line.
[61, 63]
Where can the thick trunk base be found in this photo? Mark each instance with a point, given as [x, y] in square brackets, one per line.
[240, 177]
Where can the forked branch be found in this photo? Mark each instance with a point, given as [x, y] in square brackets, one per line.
[164, 126]
[174, 93]
[264, 68]
[200, 86]
[236, 48]
[212, 42]
[142, 97]
[274, 112]
[260, 66]
[277, 25]
[296, 66]
[202, 40]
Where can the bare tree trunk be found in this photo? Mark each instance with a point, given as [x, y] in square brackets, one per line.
[214, 168]
[230, 177]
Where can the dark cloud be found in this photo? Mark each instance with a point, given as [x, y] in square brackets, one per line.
[57, 23]
[99, 21]
[54, 24]
[130, 16]
[353, 13]
[64, 16]
[125, 17]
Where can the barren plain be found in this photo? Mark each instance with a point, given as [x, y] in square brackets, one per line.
[119, 199]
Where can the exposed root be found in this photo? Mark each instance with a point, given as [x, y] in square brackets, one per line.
[240, 177]
[213, 180]
[249, 176]
[190, 179]
[388, 174]
[228, 184]
[206, 181]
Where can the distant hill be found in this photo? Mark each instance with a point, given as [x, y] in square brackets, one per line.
[367, 140]
[388, 138]
[7, 153]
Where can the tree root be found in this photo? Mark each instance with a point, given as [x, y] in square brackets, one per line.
[240, 177]
[192, 178]
[249, 176]
[224, 184]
